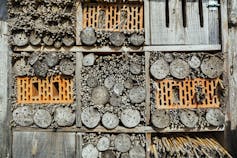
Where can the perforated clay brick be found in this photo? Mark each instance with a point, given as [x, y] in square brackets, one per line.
[56, 89]
[178, 94]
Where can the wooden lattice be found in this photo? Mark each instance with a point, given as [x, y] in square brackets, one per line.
[113, 16]
[55, 89]
[178, 94]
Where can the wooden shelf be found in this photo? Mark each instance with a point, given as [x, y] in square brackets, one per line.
[166, 48]
[100, 129]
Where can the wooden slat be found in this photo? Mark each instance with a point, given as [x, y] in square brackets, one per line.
[147, 79]
[148, 145]
[79, 17]
[4, 102]
[79, 143]
[124, 49]
[43, 144]
[119, 129]
[147, 21]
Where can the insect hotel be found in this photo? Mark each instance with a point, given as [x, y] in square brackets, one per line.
[118, 78]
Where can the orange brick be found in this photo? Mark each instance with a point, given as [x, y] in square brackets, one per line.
[56, 89]
[179, 94]
[113, 15]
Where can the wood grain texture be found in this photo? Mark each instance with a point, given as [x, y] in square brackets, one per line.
[43, 144]
[4, 108]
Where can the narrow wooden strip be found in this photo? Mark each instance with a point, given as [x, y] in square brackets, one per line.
[148, 94]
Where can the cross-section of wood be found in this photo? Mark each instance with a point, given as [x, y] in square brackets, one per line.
[188, 93]
[55, 89]
[113, 16]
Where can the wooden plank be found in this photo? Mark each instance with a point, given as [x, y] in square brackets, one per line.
[79, 57]
[79, 22]
[43, 144]
[147, 21]
[148, 145]
[119, 129]
[4, 108]
[79, 143]
[148, 94]
[164, 48]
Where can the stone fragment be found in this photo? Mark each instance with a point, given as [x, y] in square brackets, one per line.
[109, 82]
[100, 95]
[19, 67]
[115, 101]
[118, 89]
[92, 82]
[52, 59]
[40, 68]
[135, 69]
[88, 36]
[89, 59]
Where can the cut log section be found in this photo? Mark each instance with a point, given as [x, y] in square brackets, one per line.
[137, 152]
[194, 62]
[20, 39]
[88, 36]
[52, 59]
[23, 116]
[188, 118]
[212, 67]
[117, 38]
[108, 154]
[68, 41]
[124, 155]
[34, 39]
[128, 84]
[89, 151]
[19, 67]
[67, 67]
[40, 68]
[179, 69]
[110, 120]
[137, 95]
[92, 82]
[42, 118]
[90, 117]
[115, 101]
[130, 118]
[135, 69]
[215, 117]
[122, 143]
[64, 116]
[103, 144]
[160, 119]
[137, 40]
[159, 69]
[100, 95]
[48, 41]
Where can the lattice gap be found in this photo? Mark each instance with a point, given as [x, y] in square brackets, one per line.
[178, 94]
[56, 89]
[113, 16]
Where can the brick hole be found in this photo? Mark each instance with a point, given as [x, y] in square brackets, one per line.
[35, 89]
[55, 89]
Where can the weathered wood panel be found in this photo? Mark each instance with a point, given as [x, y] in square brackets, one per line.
[3, 10]
[43, 144]
[4, 109]
[173, 23]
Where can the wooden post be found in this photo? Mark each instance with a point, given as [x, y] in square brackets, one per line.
[4, 108]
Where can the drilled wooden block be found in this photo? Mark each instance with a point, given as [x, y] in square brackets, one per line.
[188, 93]
[113, 16]
[56, 89]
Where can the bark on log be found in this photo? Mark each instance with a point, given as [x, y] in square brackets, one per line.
[20, 39]
[160, 119]
[122, 143]
[64, 116]
[90, 117]
[212, 67]
[103, 144]
[159, 69]
[52, 59]
[35, 40]
[40, 68]
[42, 118]
[110, 120]
[100, 95]
[88, 36]
[23, 116]
[108, 154]
[130, 118]
[215, 117]
[137, 152]
[89, 151]
[67, 67]
[137, 95]
[188, 118]
[137, 40]
[194, 62]
[179, 69]
[117, 38]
